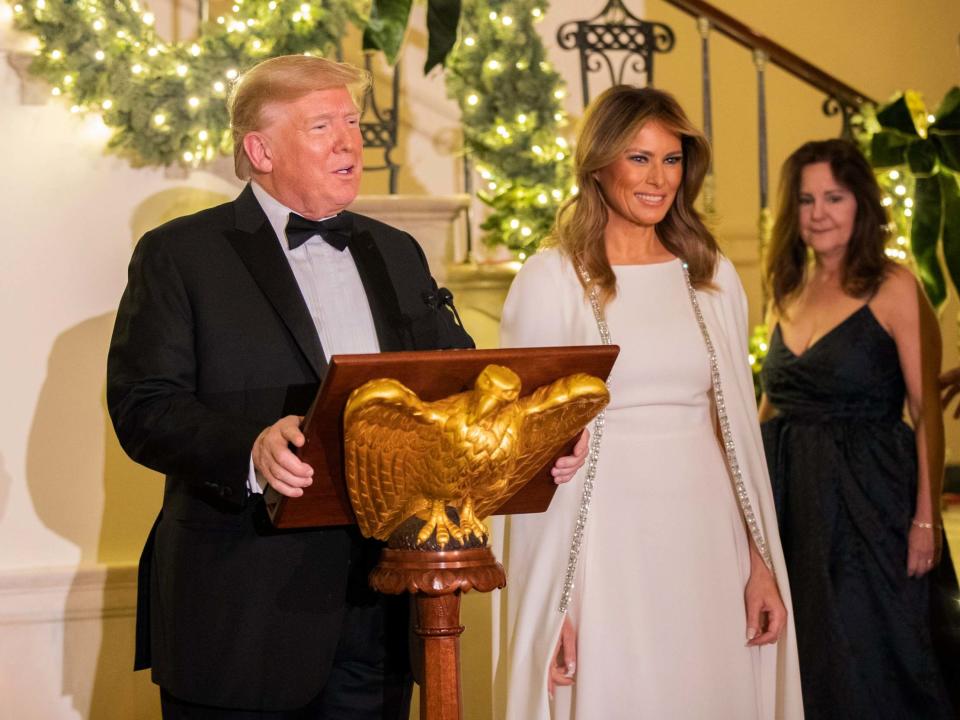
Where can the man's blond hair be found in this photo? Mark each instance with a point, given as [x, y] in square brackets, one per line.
[284, 79]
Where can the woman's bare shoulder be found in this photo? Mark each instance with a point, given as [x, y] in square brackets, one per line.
[898, 289]
[896, 301]
[899, 282]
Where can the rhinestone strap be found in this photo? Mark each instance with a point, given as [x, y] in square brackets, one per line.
[592, 457]
[728, 445]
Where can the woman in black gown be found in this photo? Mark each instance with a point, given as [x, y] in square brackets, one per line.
[857, 490]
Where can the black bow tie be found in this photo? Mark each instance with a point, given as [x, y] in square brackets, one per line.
[335, 230]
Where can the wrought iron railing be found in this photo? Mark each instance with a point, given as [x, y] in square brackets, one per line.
[379, 126]
[615, 29]
[841, 99]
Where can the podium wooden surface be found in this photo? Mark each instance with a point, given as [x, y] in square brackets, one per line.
[433, 375]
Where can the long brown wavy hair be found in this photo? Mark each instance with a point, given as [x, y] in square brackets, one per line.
[865, 264]
[609, 125]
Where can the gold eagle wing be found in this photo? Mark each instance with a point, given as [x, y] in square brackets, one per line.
[549, 416]
[390, 434]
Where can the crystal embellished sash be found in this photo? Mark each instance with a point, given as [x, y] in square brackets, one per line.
[729, 447]
[592, 456]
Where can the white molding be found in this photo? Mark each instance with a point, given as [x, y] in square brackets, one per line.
[444, 208]
[33, 90]
[54, 595]
[431, 219]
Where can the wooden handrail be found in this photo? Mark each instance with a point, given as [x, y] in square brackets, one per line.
[775, 53]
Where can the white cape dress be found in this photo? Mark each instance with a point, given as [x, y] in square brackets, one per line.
[662, 667]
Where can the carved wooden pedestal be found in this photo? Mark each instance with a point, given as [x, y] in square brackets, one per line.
[437, 578]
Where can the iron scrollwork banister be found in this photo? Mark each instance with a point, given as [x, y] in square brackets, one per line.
[615, 29]
[832, 106]
[841, 98]
[379, 126]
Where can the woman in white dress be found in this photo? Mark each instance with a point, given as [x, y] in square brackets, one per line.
[673, 603]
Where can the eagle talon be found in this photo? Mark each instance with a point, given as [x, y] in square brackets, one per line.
[469, 523]
[439, 521]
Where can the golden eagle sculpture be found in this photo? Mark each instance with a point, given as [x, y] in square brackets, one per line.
[406, 457]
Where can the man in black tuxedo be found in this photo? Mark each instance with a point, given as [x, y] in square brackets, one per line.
[221, 339]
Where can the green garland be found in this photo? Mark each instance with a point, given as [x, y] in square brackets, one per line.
[510, 99]
[165, 101]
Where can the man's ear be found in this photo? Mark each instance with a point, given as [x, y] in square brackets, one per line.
[257, 147]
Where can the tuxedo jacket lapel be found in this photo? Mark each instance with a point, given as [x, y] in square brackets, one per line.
[381, 294]
[255, 242]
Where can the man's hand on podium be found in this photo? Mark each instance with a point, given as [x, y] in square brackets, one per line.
[567, 466]
[274, 460]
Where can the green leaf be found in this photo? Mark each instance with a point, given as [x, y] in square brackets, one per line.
[945, 131]
[922, 157]
[948, 114]
[888, 149]
[951, 226]
[387, 26]
[924, 235]
[948, 149]
[443, 18]
[897, 116]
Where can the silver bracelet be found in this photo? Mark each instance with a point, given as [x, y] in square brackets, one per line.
[926, 525]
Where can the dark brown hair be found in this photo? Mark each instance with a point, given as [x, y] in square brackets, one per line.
[865, 264]
[609, 125]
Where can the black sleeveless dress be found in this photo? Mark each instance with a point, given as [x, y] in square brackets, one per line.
[844, 471]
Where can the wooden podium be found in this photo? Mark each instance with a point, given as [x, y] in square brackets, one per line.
[435, 577]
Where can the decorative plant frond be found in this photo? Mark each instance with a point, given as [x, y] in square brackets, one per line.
[918, 156]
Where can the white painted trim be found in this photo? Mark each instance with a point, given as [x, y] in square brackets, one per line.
[54, 595]
[414, 208]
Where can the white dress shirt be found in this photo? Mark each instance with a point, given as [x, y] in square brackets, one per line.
[332, 289]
